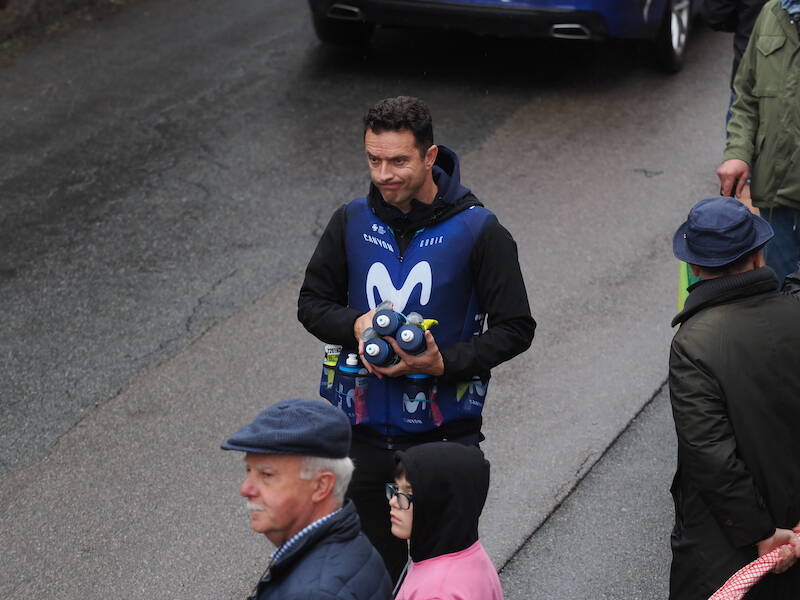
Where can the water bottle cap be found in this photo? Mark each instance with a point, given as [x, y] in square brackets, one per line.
[382, 320]
[352, 360]
[372, 349]
[407, 335]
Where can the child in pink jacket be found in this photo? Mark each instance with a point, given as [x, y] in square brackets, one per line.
[435, 502]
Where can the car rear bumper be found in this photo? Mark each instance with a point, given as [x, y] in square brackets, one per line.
[487, 19]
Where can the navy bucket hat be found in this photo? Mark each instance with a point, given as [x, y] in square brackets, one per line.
[719, 231]
[300, 427]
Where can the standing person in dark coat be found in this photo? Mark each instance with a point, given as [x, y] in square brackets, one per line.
[423, 241]
[734, 381]
[736, 16]
[297, 472]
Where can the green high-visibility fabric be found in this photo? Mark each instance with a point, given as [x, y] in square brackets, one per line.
[685, 279]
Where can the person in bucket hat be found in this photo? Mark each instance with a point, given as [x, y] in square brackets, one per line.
[734, 383]
[297, 473]
[718, 232]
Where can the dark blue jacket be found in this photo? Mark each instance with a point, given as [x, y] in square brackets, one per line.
[333, 561]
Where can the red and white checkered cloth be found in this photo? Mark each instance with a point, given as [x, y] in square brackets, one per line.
[749, 575]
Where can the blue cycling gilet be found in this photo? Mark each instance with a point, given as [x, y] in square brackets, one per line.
[432, 278]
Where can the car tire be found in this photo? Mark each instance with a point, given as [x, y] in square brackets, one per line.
[340, 32]
[673, 34]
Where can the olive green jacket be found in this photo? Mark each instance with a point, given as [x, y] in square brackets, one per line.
[764, 130]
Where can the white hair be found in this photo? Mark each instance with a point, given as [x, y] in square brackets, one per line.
[342, 469]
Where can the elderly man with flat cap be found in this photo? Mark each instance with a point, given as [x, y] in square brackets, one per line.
[297, 472]
[734, 383]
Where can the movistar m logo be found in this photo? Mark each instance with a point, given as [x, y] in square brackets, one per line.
[411, 405]
[378, 279]
[345, 397]
[478, 388]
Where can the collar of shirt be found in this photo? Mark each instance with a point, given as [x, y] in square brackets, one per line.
[792, 7]
[293, 541]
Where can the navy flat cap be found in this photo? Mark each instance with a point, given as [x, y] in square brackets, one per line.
[718, 231]
[299, 426]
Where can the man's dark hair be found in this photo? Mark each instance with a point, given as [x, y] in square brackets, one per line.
[732, 267]
[399, 114]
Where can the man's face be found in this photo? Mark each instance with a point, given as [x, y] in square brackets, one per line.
[278, 500]
[396, 166]
[401, 519]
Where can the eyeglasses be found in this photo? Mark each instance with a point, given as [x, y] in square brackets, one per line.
[403, 500]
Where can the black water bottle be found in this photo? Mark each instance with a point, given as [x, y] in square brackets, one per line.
[419, 393]
[351, 389]
[378, 352]
[386, 321]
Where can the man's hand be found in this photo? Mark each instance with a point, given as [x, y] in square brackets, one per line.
[363, 322]
[745, 199]
[429, 362]
[733, 176]
[789, 555]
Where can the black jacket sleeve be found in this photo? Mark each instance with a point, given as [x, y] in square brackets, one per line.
[322, 305]
[502, 296]
[791, 285]
[721, 15]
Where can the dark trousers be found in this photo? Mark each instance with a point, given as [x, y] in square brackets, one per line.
[783, 251]
[374, 469]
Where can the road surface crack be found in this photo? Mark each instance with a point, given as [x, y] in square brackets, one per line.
[204, 298]
[566, 490]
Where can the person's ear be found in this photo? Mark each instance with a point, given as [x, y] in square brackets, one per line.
[430, 156]
[695, 270]
[323, 486]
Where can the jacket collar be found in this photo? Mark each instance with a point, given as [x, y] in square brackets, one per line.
[784, 21]
[421, 215]
[725, 289]
[451, 198]
[343, 525]
[792, 8]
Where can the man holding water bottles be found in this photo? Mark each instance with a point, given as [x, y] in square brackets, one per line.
[424, 242]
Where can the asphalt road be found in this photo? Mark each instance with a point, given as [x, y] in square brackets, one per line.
[164, 177]
[609, 540]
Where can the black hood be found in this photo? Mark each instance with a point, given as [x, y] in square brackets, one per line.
[451, 197]
[449, 483]
[447, 175]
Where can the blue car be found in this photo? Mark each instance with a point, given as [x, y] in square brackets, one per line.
[663, 22]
